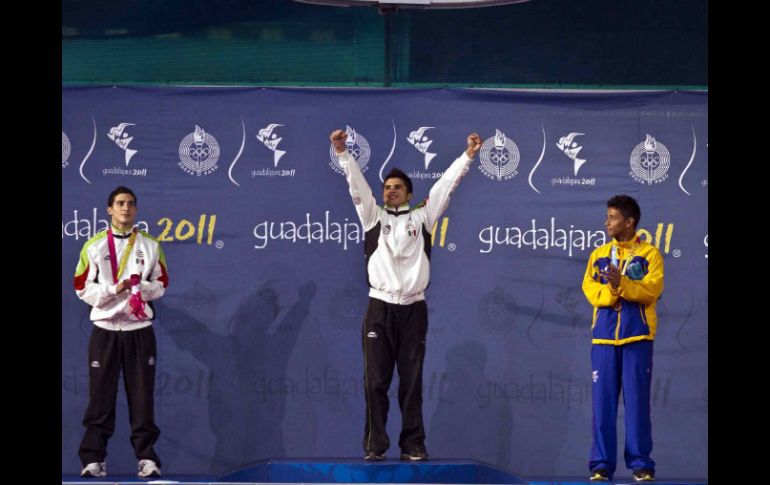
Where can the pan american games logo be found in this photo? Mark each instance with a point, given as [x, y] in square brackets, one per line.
[650, 161]
[66, 148]
[357, 146]
[199, 153]
[499, 157]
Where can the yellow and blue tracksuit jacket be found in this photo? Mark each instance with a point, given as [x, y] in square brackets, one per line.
[625, 314]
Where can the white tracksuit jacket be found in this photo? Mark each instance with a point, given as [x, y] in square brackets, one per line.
[398, 242]
[94, 285]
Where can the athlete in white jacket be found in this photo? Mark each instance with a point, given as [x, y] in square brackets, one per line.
[119, 272]
[397, 247]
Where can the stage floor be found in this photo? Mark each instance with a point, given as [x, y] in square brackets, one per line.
[357, 471]
[206, 480]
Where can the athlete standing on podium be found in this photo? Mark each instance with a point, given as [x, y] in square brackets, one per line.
[397, 247]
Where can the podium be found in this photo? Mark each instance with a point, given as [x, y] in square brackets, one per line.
[357, 470]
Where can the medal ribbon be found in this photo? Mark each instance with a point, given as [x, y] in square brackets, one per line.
[116, 272]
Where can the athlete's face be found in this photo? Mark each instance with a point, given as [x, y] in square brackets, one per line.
[619, 227]
[394, 192]
[123, 211]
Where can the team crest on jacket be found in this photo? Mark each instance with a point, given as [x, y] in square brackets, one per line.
[650, 161]
[499, 157]
[65, 150]
[357, 145]
[199, 153]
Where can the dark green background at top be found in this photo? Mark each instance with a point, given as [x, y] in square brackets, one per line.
[541, 43]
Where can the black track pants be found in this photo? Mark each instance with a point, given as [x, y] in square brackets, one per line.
[394, 334]
[109, 352]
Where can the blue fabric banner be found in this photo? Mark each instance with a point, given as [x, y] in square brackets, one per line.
[259, 350]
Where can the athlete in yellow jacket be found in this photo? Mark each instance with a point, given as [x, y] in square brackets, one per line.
[623, 281]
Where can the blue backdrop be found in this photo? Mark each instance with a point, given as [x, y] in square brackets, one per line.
[259, 350]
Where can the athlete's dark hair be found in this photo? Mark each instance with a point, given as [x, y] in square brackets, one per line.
[120, 190]
[627, 206]
[396, 173]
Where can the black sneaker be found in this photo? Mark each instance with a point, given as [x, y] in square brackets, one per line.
[644, 475]
[418, 454]
[600, 475]
[374, 456]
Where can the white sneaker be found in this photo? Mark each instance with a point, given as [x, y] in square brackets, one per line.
[95, 469]
[148, 468]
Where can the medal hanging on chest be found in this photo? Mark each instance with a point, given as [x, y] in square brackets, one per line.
[117, 271]
[135, 302]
